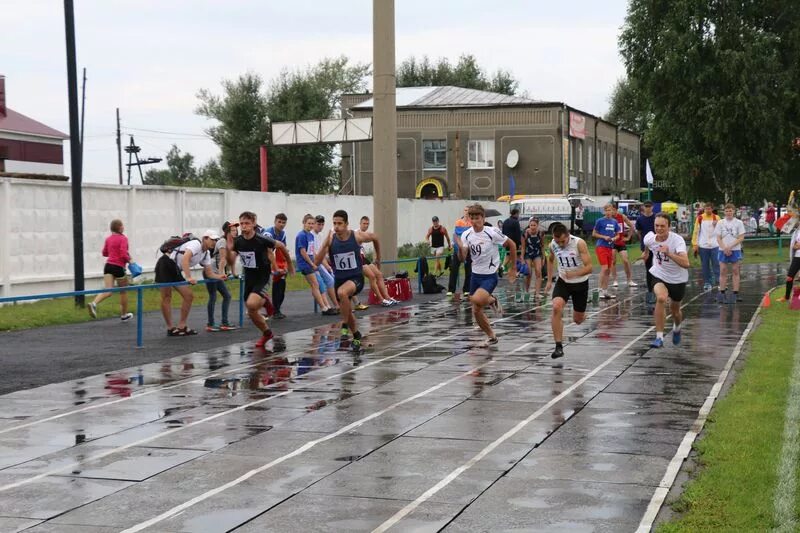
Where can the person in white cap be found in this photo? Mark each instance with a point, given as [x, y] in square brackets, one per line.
[176, 266]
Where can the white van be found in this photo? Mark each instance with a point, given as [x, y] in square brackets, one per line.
[549, 209]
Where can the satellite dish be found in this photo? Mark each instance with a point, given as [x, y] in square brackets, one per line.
[512, 159]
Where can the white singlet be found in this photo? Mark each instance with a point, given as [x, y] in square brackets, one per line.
[663, 267]
[569, 259]
[482, 247]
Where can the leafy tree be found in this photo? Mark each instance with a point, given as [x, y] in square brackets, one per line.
[181, 172]
[466, 73]
[719, 81]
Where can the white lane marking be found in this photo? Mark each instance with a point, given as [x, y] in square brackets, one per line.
[399, 515]
[229, 411]
[786, 492]
[685, 447]
[302, 449]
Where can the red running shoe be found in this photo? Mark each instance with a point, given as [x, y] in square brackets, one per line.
[265, 338]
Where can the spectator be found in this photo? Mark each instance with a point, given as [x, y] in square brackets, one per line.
[219, 265]
[437, 235]
[512, 229]
[770, 218]
[305, 264]
[462, 225]
[277, 232]
[705, 244]
[325, 272]
[115, 250]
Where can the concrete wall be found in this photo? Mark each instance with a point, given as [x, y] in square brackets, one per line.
[36, 223]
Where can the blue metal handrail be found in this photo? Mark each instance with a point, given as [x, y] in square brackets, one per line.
[139, 299]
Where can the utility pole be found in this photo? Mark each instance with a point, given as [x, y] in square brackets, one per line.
[384, 155]
[119, 149]
[133, 151]
[83, 114]
[75, 151]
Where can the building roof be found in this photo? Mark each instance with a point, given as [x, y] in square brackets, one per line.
[18, 123]
[448, 96]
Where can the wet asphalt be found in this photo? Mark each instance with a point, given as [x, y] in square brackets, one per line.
[424, 431]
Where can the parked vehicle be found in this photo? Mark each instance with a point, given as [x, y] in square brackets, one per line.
[549, 209]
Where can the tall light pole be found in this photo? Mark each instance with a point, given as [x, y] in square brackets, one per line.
[74, 150]
[384, 129]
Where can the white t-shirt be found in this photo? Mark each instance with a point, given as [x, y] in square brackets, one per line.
[663, 267]
[367, 247]
[795, 238]
[199, 257]
[568, 259]
[482, 248]
[729, 230]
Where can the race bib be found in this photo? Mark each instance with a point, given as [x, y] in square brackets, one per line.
[248, 259]
[345, 261]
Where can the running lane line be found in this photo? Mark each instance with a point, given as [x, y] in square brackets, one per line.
[408, 509]
[145, 440]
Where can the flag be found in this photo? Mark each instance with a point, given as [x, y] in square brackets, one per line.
[648, 172]
[512, 187]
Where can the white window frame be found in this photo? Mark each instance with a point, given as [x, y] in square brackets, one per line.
[424, 161]
[580, 155]
[481, 147]
[612, 160]
[589, 161]
[605, 160]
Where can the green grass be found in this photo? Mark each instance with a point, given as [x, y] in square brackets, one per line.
[740, 449]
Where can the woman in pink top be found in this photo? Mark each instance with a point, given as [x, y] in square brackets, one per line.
[115, 250]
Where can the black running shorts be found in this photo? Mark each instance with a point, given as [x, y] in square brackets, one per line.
[579, 292]
[115, 270]
[676, 291]
[167, 270]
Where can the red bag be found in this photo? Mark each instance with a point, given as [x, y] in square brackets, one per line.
[373, 298]
[399, 289]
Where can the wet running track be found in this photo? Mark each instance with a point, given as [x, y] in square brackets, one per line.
[425, 431]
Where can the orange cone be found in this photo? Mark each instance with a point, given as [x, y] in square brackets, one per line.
[766, 302]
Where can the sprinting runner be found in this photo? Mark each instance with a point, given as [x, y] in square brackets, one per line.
[437, 235]
[257, 254]
[605, 231]
[645, 223]
[115, 249]
[574, 268]
[534, 252]
[794, 265]
[620, 247]
[373, 273]
[670, 272]
[729, 233]
[479, 242]
[343, 247]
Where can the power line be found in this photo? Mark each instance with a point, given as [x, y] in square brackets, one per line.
[169, 132]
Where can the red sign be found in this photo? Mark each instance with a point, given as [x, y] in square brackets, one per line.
[577, 125]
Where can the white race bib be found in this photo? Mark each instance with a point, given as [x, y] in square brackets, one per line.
[248, 259]
[345, 261]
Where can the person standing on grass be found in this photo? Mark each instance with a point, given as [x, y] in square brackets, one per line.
[343, 249]
[645, 223]
[770, 218]
[730, 234]
[794, 265]
[621, 247]
[176, 266]
[705, 244]
[605, 231]
[670, 274]
[305, 264]
[277, 232]
[437, 235]
[256, 252]
[534, 253]
[115, 250]
[480, 242]
[574, 267]
[219, 265]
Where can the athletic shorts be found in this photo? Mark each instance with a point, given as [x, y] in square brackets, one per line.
[306, 271]
[676, 291]
[256, 283]
[536, 254]
[620, 247]
[605, 255]
[735, 257]
[578, 292]
[167, 270]
[115, 270]
[487, 282]
[358, 281]
[439, 250]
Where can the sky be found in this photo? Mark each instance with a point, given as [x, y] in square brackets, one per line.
[151, 57]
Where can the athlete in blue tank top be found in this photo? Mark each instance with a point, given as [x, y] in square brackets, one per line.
[343, 247]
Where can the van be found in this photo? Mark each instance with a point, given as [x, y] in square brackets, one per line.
[549, 209]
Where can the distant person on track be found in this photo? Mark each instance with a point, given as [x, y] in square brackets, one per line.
[281, 267]
[343, 247]
[605, 231]
[730, 234]
[534, 254]
[671, 273]
[219, 265]
[437, 235]
[706, 246]
[115, 250]
[569, 256]
[621, 248]
[480, 242]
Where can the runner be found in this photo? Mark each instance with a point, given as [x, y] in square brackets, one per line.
[705, 245]
[670, 272]
[730, 233]
[574, 269]
[794, 266]
[305, 264]
[534, 245]
[620, 247]
[605, 231]
[373, 272]
[219, 265]
[645, 223]
[343, 247]
[437, 234]
[281, 268]
[115, 249]
[257, 254]
[480, 242]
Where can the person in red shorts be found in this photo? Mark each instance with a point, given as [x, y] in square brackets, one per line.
[606, 230]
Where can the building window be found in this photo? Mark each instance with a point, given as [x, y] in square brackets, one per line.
[630, 168]
[434, 154]
[481, 154]
[624, 173]
[580, 155]
[605, 159]
[589, 161]
[613, 161]
[571, 155]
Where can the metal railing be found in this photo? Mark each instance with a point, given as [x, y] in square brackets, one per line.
[139, 299]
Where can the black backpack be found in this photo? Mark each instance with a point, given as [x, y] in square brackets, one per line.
[430, 286]
[175, 242]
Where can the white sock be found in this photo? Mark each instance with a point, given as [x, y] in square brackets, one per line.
[660, 335]
[677, 327]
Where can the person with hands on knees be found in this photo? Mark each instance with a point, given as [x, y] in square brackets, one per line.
[479, 243]
[304, 252]
[569, 256]
[176, 266]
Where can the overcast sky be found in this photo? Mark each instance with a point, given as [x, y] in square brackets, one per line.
[150, 57]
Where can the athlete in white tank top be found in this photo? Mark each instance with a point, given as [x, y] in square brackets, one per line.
[568, 259]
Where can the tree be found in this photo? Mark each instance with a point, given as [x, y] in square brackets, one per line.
[719, 81]
[466, 73]
[181, 172]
